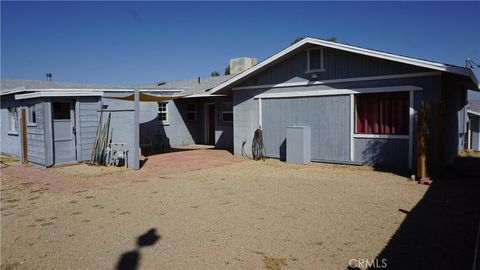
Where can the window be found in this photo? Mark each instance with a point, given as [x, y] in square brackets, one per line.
[315, 60]
[386, 113]
[227, 112]
[13, 117]
[191, 112]
[31, 114]
[162, 112]
[61, 111]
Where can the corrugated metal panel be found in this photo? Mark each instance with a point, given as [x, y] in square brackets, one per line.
[381, 151]
[328, 117]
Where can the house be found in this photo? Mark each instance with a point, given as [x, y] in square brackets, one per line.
[62, 118]
[362, 107]
[473, 127]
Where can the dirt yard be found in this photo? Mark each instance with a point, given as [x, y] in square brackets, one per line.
[240, 215]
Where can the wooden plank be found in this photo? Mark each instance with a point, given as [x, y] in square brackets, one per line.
[24, 138]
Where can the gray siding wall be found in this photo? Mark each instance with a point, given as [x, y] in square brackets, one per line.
[121, 123]
[328, 117]
[339, 65]
[475, 128]
[36, 134]
[381, 152]
[10, 142]
[87, 125]
[182, 131]
[245, 114]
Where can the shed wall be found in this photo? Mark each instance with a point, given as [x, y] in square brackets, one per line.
[10, 142]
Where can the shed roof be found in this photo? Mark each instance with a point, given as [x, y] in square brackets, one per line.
[197, 85]
[309, 41]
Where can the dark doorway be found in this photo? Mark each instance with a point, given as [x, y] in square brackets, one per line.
[210, 124]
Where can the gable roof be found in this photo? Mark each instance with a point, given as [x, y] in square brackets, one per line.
[354, 49]
[198, 85]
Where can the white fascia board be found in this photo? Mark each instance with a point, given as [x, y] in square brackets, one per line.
[14, 91]
[58, 94]
[473, 112]
[336, 92]
[380, 136]
[204, 95]
[382, 55]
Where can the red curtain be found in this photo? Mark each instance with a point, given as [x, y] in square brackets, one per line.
[382, 113]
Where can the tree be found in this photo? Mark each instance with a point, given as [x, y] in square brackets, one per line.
[227, 70]
[215, 74]
[332, 39]
[297, 40]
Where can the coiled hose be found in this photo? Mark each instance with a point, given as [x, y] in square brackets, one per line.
[258, 149]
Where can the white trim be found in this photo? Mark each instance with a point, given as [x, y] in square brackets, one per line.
[322, 68]
[56, 94]
[355, 79]
[473, 112]
[352, 127]
[382, 55]
[260, 113]
[204, 95]
[380, 136]
[335, 92]
[411, 118]
[224, 112]
[166, 112]
[82, 90]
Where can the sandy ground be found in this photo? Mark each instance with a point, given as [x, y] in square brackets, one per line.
[246, 215]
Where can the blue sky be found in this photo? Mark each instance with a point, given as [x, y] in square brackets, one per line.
[124, 43]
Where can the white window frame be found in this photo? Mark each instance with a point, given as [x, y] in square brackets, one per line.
[322, 67]
[30, 110]
[374, 135]
[163, 122]
[13, 121]
[224, 112]
[194, 112]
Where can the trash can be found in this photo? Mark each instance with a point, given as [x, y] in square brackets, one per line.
[298, 144]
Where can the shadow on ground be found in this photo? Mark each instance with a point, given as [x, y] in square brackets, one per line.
[440, 231]
[131, 259]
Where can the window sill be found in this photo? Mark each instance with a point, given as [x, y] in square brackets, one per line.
[315, 70]
[13, 133]
[380, 136]
[31, 124]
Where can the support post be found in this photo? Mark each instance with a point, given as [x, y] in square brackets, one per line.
[24, 137]
[136, 132]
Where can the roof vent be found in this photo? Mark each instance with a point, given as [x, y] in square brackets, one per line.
[238, 65]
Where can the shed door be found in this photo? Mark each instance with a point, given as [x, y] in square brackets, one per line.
[64, 132]
[328, 118]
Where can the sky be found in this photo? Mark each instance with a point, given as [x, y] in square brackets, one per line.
[126, 43]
